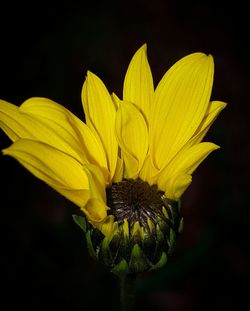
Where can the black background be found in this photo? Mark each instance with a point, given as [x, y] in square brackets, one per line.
[45, 51]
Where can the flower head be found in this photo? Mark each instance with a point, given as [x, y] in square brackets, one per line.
[128, 166]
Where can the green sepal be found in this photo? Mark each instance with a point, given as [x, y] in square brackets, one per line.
[136, 237]
[90, 245]
[80, 221]
[171, 241]
[164, 227]
[172, 208]
[138, 261]
[181, 226]
[159, 234]
[179, 205]
[161, 262]
[149, 245]
[164, 211]
[120, 247]
[121, 269]
[105, 252]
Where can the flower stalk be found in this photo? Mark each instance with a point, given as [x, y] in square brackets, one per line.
[128, 292]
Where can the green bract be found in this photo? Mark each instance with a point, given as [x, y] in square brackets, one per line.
[123, 254]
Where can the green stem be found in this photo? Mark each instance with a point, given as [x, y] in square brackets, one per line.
[127, 293]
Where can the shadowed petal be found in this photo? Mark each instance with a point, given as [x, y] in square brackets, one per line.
[148, 172]
[119, 170]
[96, 210]
[132, 136]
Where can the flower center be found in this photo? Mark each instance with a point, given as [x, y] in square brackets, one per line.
[135, 200]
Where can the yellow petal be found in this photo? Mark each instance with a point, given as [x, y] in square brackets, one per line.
[214, 109]
[69, 128]
[97, 182]
[78, 197]
[189, 160]
[138, 84]
[44, 120]
[177, 186]
[116, 100]
[119, 170]
[180, 103]
[148, 171]
[6, 110]
[132, 136]
[57, 169]
[183, 164]
[100, 114]
[95, 209]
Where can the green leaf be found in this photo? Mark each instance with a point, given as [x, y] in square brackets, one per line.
[81, 222]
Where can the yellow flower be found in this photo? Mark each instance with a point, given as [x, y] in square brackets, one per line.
[132, 154]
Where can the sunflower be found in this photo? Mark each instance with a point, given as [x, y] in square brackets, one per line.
[128, 165]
